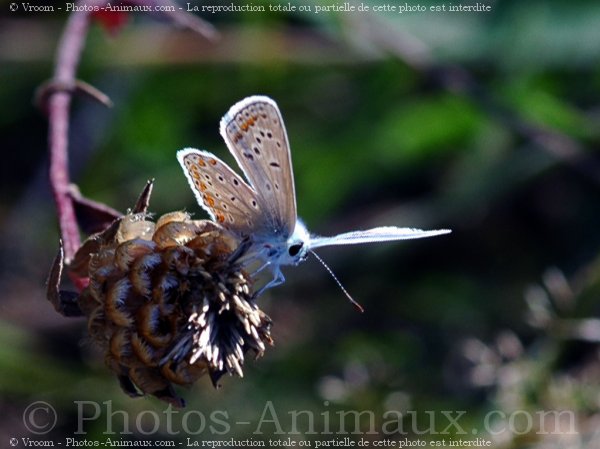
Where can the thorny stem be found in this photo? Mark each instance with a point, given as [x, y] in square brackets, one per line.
[57, 101]
[58, 105]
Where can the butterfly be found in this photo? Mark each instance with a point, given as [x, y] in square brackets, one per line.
[262, 208]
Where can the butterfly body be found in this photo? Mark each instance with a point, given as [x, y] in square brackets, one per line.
[263, 208]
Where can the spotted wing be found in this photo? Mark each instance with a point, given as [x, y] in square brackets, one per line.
[255, 134]
[226, 197]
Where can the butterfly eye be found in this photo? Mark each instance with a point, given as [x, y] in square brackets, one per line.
[295, 249]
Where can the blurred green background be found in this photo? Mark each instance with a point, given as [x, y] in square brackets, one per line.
[485, 123]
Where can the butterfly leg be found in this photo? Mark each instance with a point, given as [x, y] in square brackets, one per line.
[278, 279]
[259, 269]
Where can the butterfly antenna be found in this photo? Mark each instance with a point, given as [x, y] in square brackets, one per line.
[350, 298]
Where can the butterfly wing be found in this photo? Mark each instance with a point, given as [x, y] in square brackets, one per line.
[226, 197]
[380, 234]
[255, 134]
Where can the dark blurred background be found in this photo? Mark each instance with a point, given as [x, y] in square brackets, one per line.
[485, 123]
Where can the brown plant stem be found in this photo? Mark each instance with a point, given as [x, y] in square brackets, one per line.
[55, 98]
[58, 106]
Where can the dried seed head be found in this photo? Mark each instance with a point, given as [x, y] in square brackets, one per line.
[168, 302]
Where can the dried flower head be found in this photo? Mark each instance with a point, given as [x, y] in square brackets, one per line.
[168, 302]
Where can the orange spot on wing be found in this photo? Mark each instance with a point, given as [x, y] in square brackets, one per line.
[248, 123]
[209, 200]
[201, 162]
[220, 217]
[203, 186]
[212, 161]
